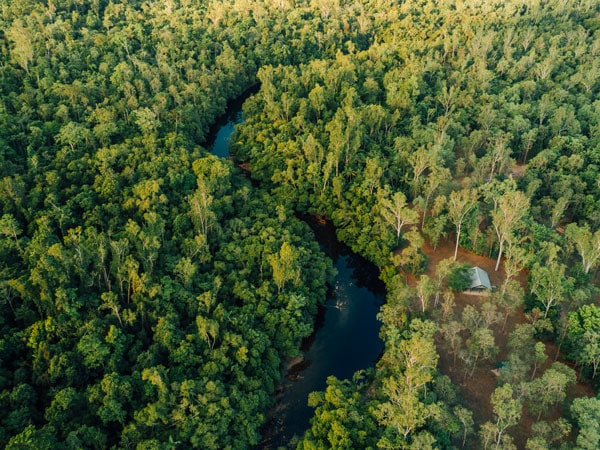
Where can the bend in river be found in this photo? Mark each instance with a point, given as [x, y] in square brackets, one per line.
[221, 131]
[346, 336]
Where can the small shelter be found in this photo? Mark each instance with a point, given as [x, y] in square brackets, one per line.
[480, 281]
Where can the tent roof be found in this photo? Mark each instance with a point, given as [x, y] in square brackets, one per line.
[479, 279]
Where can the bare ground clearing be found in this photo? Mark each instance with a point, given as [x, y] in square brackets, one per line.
[476, 391]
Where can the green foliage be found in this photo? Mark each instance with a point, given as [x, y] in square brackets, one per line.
[583, 335]
[148, 288]
[342, 419]
[140, 297]
[550, 388]
[586, 412]
[407, 368]
[459, 278]
[507, 413]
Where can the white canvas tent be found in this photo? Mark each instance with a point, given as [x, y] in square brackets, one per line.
[480, 280]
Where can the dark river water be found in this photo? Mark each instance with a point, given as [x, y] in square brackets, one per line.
[346, 336]
[220, 133]
[220, 146]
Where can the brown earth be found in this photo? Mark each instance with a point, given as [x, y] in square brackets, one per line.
[518, 170]
[475, 392]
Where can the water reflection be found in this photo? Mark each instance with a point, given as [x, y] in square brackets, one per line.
[346, 340]
[346, 337]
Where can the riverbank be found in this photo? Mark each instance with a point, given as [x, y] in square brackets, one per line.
[346, 330]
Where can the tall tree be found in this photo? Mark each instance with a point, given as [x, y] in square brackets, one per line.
[509, 211]
[23, 50]
[396, 212]
[587, 244]
[425, 289]
[583, 333]
[460, 205]
[285, 265]
[507, 412]
[437, 177]
[409, 365]
[550, 388]
[200, 203]
[465, 417]
[549, 284]
[586, 412]
[480, 346]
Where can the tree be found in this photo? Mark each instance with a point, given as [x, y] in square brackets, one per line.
[480, 346]
[372, 174]
[510, 297]
[396, 212]
[116, 393]
[448, 97]
[516, 257]
[547, 434]
[587, 244]
[94, 350]
[559, 209]
[583, 334]
[285, 265]
[460, 205]
[539, 357]
[549, 284]
[420, 160]
[10, 228]
[31, 437]
[447, 305]
[442, 270]
[465, 417]
[527, 141]
[550, 388]
[459, 277]
[23, 51]
[417, 359]
[425, 289]
[434, 181]
[451, 334]
[401, 415]
[411, 257]
[341, 418]
[586, 412]
[497, 158]
[489, 314]
[507, 412]
[471, 318]
[73, 134]
[434, 226]
[509, 210]
[200, 207]
[409, 365]
[110, 301]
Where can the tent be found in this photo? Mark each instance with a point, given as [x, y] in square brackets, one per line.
[480, 280]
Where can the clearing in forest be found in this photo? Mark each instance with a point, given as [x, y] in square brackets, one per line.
[476, 390]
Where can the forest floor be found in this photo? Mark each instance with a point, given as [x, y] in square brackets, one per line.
[476, 390]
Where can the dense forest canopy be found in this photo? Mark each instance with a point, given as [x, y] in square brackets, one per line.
[150, 294]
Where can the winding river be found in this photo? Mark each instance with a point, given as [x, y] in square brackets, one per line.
[346, 336]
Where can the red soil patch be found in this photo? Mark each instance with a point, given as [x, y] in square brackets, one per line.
[518, 170]
[476, 391]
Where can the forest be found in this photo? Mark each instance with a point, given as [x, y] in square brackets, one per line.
[151, 294]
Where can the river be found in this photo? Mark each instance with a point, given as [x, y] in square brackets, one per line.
[346, 336]
[220, 133]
